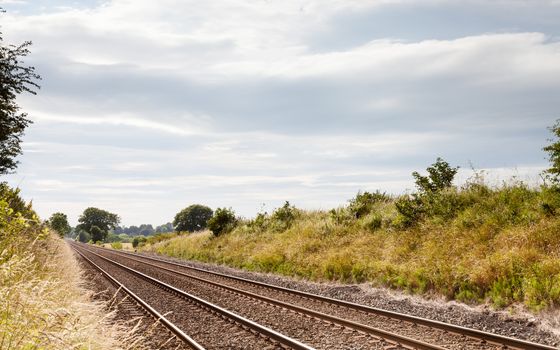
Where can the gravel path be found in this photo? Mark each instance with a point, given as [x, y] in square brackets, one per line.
[519, 325]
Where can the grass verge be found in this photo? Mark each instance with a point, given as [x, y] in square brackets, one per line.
[474, 244]
[43, 302]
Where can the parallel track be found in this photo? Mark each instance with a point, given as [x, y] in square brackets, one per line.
[253, 327]
[506, 342]
[160, 318]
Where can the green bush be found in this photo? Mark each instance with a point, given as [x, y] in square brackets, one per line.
[223, 221]
[138, 241]
[283, 217]
[117, 245]
[363, 203]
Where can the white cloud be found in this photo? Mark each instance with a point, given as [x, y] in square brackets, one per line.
[148, 106]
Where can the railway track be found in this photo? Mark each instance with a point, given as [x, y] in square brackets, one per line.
[348, 316]
[145, 306]
[215, 326]
[337, 305]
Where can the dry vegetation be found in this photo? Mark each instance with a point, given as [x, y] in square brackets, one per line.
[474, 244]
[44, 305]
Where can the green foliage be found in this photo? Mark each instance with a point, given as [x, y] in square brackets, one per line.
[138, 241]
[363, 203]
[282, 218]
[440, 176]
[193, 218]
[14, 200]
[124, 238]
[83, 236]
[97, 235]
[97, 223]
[16, 78]
[435, 197]
[222, 221]
[19, 224]
[111, 238]
[410, 210]
[59, 223]
[553, 173]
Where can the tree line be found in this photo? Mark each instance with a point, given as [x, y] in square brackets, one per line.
[99, 225]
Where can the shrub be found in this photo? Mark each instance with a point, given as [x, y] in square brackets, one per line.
[259, 223]
[363, 203]
[341, 216]
[409, 210]
[117, 245]
[223, 221]
[440, 176]
[283, 217]
[138, 241]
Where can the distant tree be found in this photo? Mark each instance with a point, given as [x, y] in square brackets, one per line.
[553, 173]
[440, 176]
[146, 229]
[132, 230]
[59, 223]
[15, 79]
[169, 226]
[193, 218]
[97, 223]
[223, 221]
[83, 236]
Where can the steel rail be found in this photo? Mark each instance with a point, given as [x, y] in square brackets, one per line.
[497, 339]
[159, 317]
[386, 335]
[280, 338]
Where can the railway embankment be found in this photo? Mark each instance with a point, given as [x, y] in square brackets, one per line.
[488, 248]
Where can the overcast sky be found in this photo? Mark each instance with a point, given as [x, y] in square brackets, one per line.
[149, 106]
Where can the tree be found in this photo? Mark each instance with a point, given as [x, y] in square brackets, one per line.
[15, 78]
[193, 218]
[440, 176]
[146, 229]
[97, 235]
[97, 223]
[553, 173]
[83, 236]
[223, 221]
[59, 223]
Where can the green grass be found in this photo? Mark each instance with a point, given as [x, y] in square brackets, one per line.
[474, 244]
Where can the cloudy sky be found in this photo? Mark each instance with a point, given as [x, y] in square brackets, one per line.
[149, 106]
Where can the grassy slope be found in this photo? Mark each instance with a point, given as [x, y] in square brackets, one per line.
[473, 244]
[42, 302]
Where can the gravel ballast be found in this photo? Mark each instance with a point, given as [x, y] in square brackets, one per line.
[513, 322]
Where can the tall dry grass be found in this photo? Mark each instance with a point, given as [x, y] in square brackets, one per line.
[44, 305]
[43, 302]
